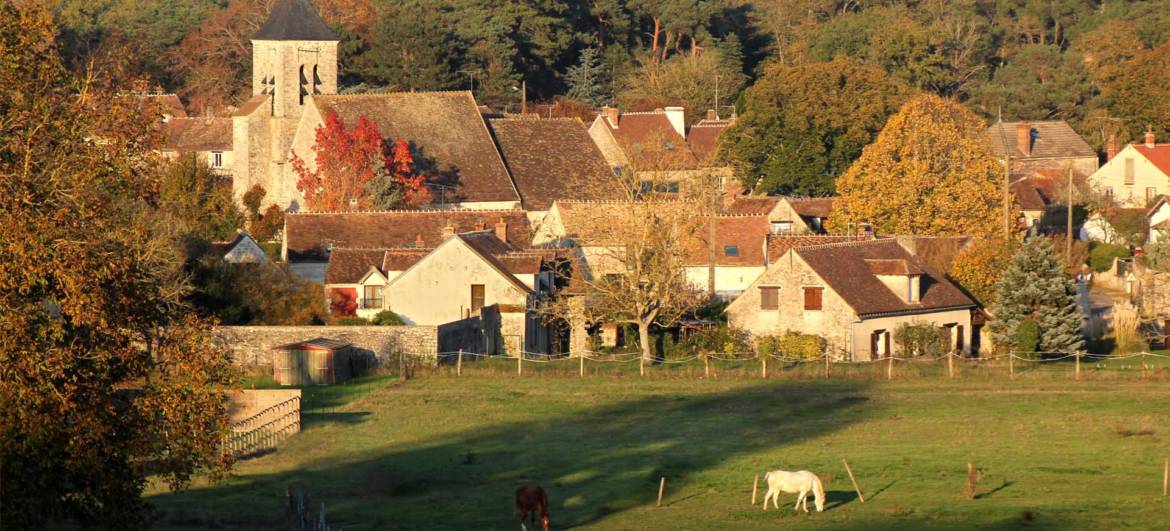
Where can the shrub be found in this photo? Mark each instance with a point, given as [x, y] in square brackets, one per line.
[792, 345]
[922, 339]
[387, 318]
[353, 321]
[720, 341]
[1027, 336]
[1102, 255]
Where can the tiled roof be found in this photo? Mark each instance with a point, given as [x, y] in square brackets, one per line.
[778, 244]
[1028, 194]
[758, 205]
[198, 134]
[401, 259]
[251, 105]
[651, 142]
[844, 267]
[746, 234]
[703, 138]
[294, 20]
[937, 251]
[307, 233]
[1051, 139]
[1159, 155]
[812, 207]
[348, 266]
[896, 266]
[590, 223]
[550, 160]
[447, 134]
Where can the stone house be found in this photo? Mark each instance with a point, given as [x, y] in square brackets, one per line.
[310, 237]
[740, 254]
[787, 215]
[1137, 175]
[454, 280]
[855, 295]
[1050, 145]
[207, 139]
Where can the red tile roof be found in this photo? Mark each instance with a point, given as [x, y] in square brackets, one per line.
[844, 267]
[551, 159]
[1159, 155]
[703, 138]
[349, 266]
[757, 205]
[812, 207]
[452, 145]
[778, 244]
[651, 142]
[308, 233]
[746, 234]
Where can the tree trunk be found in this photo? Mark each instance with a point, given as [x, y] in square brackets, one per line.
[644, 340]
[654, 38]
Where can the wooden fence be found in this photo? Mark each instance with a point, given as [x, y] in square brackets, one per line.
[263, 431]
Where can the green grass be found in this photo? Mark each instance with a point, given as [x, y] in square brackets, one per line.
[447, 453]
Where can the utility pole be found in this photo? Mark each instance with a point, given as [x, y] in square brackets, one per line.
[1007, 198]
[716, 96]
[523, 97]
[471, 76]
[1068, 228]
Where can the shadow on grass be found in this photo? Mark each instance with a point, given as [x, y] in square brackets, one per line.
[593, 462]
[988, 494]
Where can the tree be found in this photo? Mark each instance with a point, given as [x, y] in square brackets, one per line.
[104, 376]
[1034, 287]
[1039, 83]
[586, 78]
[685, 80]
[355, 170]
[254, 294]
[929, 172]
[196, 202]
[801, 126]
[412, 49]
[1136, 92]
[979, 266]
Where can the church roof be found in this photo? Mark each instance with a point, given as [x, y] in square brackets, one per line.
[294, 20]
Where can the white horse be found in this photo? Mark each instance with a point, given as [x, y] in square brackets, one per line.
[799, 482]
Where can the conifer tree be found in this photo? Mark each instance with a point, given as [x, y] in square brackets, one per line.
[1034, 287]
[585, 78]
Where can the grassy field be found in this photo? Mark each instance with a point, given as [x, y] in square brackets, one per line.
[446, 453]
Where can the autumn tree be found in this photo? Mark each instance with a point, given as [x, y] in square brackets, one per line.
[929, 172]
[1040, 82]
[1035, 288]
[196, 202]
[979, 266]
[685, 80]
[1137, 90]
[105, 378]
[354, 169]
[802, 126]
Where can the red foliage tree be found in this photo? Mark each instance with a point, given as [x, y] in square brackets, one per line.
[356, 170]
[343, 302]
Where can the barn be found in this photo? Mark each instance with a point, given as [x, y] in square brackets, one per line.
[317, 361]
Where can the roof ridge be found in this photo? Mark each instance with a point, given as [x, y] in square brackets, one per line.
[381, 249]
[847, 243]
[414, 211]
[394, 93]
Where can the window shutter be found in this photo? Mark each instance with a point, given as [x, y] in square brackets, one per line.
[812, 298]
[769, 298]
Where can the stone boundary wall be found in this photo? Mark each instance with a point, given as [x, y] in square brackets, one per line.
[252, 345]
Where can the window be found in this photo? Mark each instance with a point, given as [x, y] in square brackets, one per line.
[216, 159]
[476, 298]
[812, 298]
[669, 187]
[1108, 192]
[373, 297]
[1151, 194]
[730, 250]
[781, 227]
[1129, 171]
[769, 298]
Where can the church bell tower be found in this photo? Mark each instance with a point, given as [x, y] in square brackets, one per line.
[293, 55]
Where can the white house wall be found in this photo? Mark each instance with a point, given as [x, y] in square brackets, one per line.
[437, 289]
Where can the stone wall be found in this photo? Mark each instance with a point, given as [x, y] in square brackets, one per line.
[252, 345]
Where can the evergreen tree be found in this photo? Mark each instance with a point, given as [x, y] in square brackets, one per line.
[585, 79]
[1034, 287]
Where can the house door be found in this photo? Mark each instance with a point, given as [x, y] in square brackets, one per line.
[879, 344]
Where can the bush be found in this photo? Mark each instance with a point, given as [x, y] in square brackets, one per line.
[1027, 336]
[922, 339]
[792, 345]
[353, 321]
[721, 341]
[1102, 255]
[387, 318]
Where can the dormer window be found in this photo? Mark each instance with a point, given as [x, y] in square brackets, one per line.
[731, 250]
[902, 277]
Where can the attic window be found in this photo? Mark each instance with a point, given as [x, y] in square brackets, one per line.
[731, 250]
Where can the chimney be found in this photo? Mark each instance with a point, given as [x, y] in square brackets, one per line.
[676, 115]
[1111, 148]
[480, 226]
[448, 230]
[611, 113]
[711, 114]
[1024, 138]
[418, 241]
[502, 230]
[1149, 137]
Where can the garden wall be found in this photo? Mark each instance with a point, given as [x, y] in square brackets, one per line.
[252, 345]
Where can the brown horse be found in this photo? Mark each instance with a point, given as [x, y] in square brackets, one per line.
[531, 499]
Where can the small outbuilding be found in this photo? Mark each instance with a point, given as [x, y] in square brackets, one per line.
[317, 361]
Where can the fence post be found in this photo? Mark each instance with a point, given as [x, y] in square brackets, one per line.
[1143, 364]
[890, 367]
[459, 364]
[828, 360]
[706, 366]
[951, 364]
[1077, 375]
[519, 364]
[1011, 364]
[582, 364]
[756, 484]
[641, 365]
[764, 366]
[853, 480]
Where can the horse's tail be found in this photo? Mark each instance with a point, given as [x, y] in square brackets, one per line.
[819, 493]
[766, 474]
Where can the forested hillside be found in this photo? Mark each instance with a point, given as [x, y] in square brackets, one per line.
[1101, 65]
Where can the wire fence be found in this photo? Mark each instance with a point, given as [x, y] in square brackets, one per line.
[1072, 365]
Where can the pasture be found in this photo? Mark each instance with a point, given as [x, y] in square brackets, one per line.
[441, 452]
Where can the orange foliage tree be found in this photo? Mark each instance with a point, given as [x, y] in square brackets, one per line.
[355, 170]
[928, 172]
[980, 265]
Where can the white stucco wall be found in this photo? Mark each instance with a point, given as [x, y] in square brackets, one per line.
[1146, 175]
[729, 280]
[437, 289]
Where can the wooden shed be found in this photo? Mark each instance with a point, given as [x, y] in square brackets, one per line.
[317, 361]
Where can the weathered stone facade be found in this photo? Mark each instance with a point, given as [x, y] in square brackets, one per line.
[252, 345]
